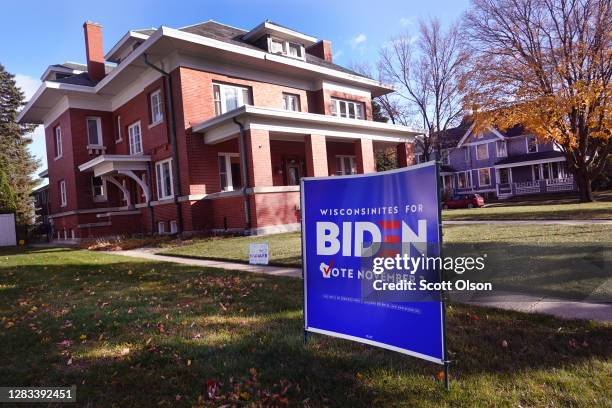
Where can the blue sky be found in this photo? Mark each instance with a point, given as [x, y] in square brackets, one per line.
[36, 34]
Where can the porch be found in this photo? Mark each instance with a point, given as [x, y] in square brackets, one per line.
[273, 149]
[545, 175]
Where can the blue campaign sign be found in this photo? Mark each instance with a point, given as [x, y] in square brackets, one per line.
[341, 217]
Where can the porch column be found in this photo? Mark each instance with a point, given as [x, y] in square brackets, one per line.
[364, 156]
[259, 161]
[405, 154]
[316, 156]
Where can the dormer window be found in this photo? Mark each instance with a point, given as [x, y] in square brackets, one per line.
[287, 48]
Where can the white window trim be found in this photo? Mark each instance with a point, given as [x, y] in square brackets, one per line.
[285, 51]
[173, 227]
[343, 169]
[63, 194]
[161, 228]
[160, 106]
[228, 170]
[336, 102]
[299, 102]
[119, 138]
[102, 197]
[133, 125]
[480, 184]
[159, 180]
[527, 144]
[222, 89]
[468, 179]
[445, 157]
[486, 150]
[497, 144]
[58, 143]
[99, 126]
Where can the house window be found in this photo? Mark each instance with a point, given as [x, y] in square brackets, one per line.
[464, 179]
[163, 173]
[58, 142]
[345, 165]
[445, 157]
[94, 131]
[135, 138]
[230, 97]
[98, 189]
[277, 46]
[161, 227]
[532, 144]
[291, 102]
[173, 227]
[482, 151]
[157, 113]
[501, 148]
[287, 48]
[63, 197]
[418, 158]
[347, 109]
[229, 171]
[466, 154]
[484, 177]
[504, 176]
[119, 131]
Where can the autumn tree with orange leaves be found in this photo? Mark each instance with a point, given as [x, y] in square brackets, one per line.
[545, 64]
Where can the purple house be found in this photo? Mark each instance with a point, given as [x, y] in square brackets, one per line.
[501, 164]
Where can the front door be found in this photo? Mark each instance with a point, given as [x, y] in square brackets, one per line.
[293, 166]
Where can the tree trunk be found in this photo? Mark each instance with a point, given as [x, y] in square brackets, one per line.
[584, 186]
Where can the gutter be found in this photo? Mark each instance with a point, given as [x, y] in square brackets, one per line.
[172, 130]
[245, 175]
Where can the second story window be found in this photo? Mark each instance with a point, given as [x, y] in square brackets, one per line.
[94, 131]
[291, 102]
[63, 196]
[532, 144]
[467, 154]
[230, 97]
[58, 142]
[501, 148]
[135, 138]
[347, 109]
[445, 157]
[482, 151]
[157, 113]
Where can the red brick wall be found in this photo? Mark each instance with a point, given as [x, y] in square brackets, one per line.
[316, 156]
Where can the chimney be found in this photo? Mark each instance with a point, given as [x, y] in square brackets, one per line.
[94, 50]
[322, 49]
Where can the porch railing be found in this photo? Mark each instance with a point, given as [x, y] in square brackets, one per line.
[563, 184]
[505, 190]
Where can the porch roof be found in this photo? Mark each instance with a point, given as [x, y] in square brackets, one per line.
[530, 158]
[223, 127]
[112, 163]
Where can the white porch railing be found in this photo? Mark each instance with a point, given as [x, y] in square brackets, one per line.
[563, 184]
[527, 187]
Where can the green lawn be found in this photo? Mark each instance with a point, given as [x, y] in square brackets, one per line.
[547, 209]
[567, 261]
[137, 333]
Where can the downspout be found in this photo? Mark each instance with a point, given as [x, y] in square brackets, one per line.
[245, 175]
[151, 208]
[173, 142]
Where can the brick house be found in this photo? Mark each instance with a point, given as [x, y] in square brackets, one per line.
[203, 128]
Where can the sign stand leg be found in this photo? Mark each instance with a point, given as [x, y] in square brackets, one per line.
[446, 372]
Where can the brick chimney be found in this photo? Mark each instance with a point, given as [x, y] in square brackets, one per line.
[322, 49]
[94, 50]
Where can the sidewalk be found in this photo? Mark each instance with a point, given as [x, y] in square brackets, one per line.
[529, 222]
[564, 309]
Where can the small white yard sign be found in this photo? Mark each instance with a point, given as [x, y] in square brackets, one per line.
[258, 254]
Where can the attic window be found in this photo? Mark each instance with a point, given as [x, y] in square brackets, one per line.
[287, 48]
